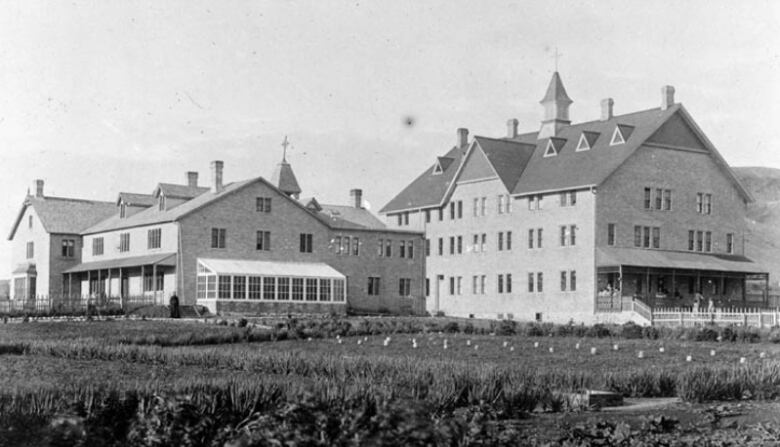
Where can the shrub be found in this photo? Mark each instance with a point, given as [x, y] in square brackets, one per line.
[728, 334]
[631, 330]
[650, 332]
[534, 330]
[706, 334]
[506, 327]
[451, 327]
[242, 322]
[468, 328]
[598, 330]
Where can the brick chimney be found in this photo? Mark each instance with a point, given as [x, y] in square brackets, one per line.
[356, 197]
[216, 176]
[667, 97]
[463, 137]
[38, 185]
[606, 109]
[192, 179]
[511, 128]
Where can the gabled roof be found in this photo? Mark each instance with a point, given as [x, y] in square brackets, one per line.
[134, 199]
[349, 217]
[555, 91]
[284, 179]
[428, 189]
[442, 164]
[507, 157]
[178, 191]
[63, 215]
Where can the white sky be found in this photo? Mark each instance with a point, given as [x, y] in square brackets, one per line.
[99, 97]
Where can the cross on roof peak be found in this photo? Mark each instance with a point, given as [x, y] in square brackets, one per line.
[285, 143]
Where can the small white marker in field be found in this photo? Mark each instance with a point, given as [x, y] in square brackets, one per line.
[476, 347]
[511, 349]
[720, 338]
[661, 349]
[552, 349]
[712, 353]
[593, 351]
[365, 339]
[615, 347]
[506, 343]
[360, 342]
[339, 341]
[688, 358]
[641, 354]
[762, 355]
[536, 344]
[742, 360]
[468, 342]
[577, 346]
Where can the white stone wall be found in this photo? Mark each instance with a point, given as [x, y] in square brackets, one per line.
[41, 241]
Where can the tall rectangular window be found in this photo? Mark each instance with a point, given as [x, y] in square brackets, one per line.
[263, 240]
[730, 243]
[699, 202]
[347, 245]
[427, 216]
[30, 250]
[283, 288]
[452, 245]
[483, 243]
[667, 199]
[708, 241]
[452, 285]
[402, 249]
[441, 246]
[646, 237]
[508, 240]
[306, 243]
[355, 246]
[460, 245]
[405, 287]
[97, 246]
[573, 280]
[460, 210]
[656, 237]
[474, 284]
[68, 248]
[500, 241]
[564, 230]
[153, 238]
[501, 204]
[452, 210]
[508, 204]
[538, 238]
[531, 238]
[637, 236]
[409, 249]
[708, 204]
[297, 289]
[441, 214]
[476, 206]
[218, 237]
[124, 242]
[427, 247]
[699, 240]
[459, 284]
[500, 283]
[483, 206]
[691, 237]
[239, 287]
[572, 235]
[659, 198]
[611, 234]
[475, 246]
[311, 289]
[648, 201]
[482, 281]
[508, 283]
[263, 204]
[530, 282]
[388, 248]
[564, 281]
[539, 282]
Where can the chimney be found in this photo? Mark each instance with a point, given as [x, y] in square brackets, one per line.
[463, 137]
[192, 179]
[511, 128]
[606, 109]
[38, 188]
[667, 97]
[356, 197]
[216, 176]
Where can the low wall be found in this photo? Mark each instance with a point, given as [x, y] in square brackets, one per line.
[396, 305]
[246, 307]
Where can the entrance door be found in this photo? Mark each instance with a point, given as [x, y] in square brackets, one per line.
[123, 287]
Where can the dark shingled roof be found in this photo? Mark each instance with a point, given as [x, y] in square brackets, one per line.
[284, 179]
[509, 158]
[555, 91]
[179, 191]
[63, 215]
[134, 199]
[428, 189]
[349, 217]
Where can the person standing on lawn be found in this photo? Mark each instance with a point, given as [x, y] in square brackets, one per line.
[173, 305]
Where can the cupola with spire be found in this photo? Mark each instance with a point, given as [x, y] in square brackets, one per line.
[556, 108]
[283, 177]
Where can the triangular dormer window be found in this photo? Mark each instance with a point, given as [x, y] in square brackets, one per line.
[617, 137]
[587, 140]
[437, 169]
[442, 163]
[554, 146]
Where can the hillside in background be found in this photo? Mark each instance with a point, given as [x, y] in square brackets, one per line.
[763, 218]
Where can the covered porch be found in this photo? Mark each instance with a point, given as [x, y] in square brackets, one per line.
[150, 279]
[671, 279]
[254, 287]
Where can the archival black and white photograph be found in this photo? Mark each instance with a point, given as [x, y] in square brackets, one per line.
[389, 223]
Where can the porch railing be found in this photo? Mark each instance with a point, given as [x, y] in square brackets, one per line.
[53, 305]
[731, 316]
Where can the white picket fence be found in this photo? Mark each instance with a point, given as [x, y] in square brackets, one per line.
[737, 317]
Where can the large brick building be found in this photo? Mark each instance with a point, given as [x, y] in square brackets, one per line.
[250, 246]
[558, 223]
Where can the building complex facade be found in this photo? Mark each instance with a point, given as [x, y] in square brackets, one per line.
[560, 223]
[251, 246]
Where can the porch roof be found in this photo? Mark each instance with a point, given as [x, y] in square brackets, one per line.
[635, 257]
[270, 268]
[164, 259]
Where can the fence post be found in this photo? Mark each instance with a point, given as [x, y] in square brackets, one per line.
[744, 319]
[681, 319]
[761, 319]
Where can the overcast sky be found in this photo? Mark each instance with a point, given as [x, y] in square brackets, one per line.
[101, 97]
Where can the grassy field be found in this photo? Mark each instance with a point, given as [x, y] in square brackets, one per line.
[207, 384]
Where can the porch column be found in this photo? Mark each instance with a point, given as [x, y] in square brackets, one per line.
[766, 289]
[70, 285]
[647, 286]
[698, 281]
[89, 284]
[109, 282]
[674, 284]
[121, 292]
[744, 289]
[100, 292]
[143, 282]
[154, 282]
[722, 284]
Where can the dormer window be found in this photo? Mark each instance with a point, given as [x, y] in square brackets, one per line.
[122, 210]
[437, 169]
[442, 163]
[587, 140]
[554, 146]
[617, 138]
[162, 202]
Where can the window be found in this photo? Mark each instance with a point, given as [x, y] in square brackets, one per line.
[637, 236]
[617, 137]
[29, 222]
[531, 238]
[68, 248]
[482, 281]
[427, 216]
[297, 289]
[699, 202]
[388, 248]
[311, 289]
[269, 288]
[405, 287]
[656, 237]
[501, 204]
[476, 206]
[218, 237]
[97, 246]
[324, 289]
[30, 250]
[483, 206]
[256, 287]
[648, 198]
[483, 243]
[239, 287]
[122, 210]
[505, 283]
[427, 247]
[441, 214]
[667, 199]
[452, 285]
[500, 241]
[409, 249]
[346, 249]
[402, 249]
[400, 220]
[460, 245]
[508, 240]
[161, 203]
[452, 210]
[659, 198]
[460, 210]
[699, 240]
[452, 245]
[263, 240]
[152, 283]
[153, 238]
[539, 282]
[564, 231]
[572, 280]
[427, 287]
[583, 144]
[223, 286]
[646, 237]
[568, 235]
[538, 238]
[550, 150]
[691, 237]
[306, 243]
[568, 198]
[459, 282]
[500, 283]
[730, 243]
[282, 288]
[707, 203]
[535, 202]
[475, 246]
[508, 283]
[474, 284]
[530, 282]
[406, 218]
[441, 246]
[564, 281]
[708, 241]
[611, 234]
[263, 204]
[124, 242]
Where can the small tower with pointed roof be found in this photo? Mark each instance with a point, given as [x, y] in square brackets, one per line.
[556, 108]
[283, 177]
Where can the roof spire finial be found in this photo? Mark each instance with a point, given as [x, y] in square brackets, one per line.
[556, 55]
[285, 143]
